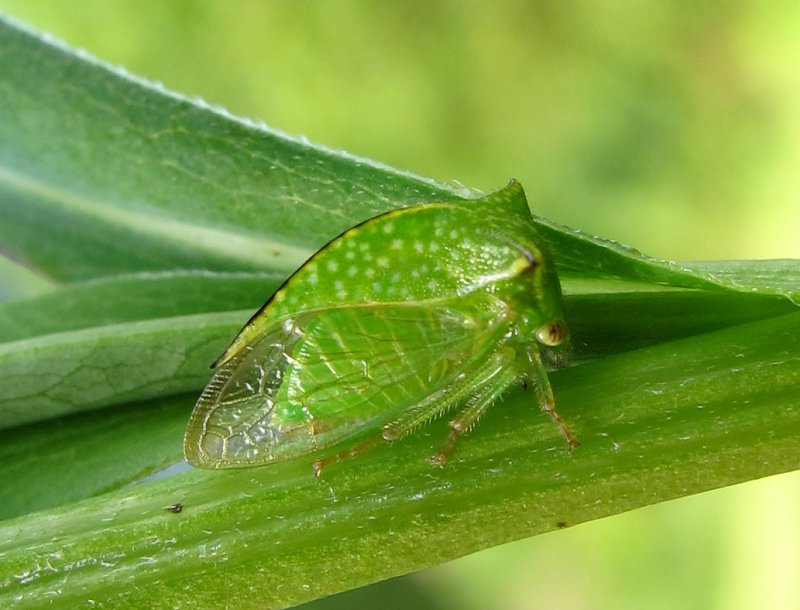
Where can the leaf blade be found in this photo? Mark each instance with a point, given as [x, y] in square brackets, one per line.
[514, 479]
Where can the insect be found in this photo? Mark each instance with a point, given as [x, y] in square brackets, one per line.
[174, 508]
[395, 322]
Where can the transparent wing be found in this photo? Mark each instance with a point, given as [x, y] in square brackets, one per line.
[331, 374]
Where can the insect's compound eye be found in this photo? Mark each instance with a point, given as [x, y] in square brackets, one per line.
[552, 333]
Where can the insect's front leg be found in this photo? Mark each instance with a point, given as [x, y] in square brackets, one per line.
[547, 401]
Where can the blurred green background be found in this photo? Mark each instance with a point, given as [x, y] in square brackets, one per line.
[673, 127]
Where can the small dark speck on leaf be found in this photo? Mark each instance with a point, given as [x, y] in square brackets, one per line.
[174, 508]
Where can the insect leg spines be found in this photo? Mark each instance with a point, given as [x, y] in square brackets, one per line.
[500, 373]
[439, 402]
[466, 387]
[538, 376]
[425, 412]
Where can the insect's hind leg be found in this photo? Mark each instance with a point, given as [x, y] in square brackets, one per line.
[353, 451]
[486, 389]
[432, 407]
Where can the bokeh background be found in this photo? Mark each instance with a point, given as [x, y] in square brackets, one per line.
[671, 126]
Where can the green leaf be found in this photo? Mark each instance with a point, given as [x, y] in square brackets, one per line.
[139, 230]
[609, 323]
[130, 298]
[103, 450]
[653, 426]
[18, 281]
[118, 339]
[149, 181]
[146, 180]
[74, 371]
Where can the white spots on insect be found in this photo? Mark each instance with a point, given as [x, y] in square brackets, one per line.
[341, 291]
[364, 248]
[372, 259]
[311, 272]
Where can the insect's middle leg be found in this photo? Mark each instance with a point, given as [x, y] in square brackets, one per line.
[486, 388]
